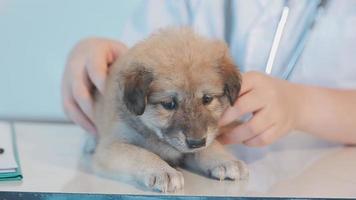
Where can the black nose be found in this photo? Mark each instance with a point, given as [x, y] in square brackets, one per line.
[193, 143]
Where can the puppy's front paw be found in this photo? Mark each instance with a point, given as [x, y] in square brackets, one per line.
[231, 170]
[165, 181]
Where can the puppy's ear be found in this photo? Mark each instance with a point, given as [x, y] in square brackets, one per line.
[232, 79]
[137, 83]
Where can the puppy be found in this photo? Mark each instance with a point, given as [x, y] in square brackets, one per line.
[160, 109]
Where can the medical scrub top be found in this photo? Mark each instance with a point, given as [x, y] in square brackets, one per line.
[248, 27]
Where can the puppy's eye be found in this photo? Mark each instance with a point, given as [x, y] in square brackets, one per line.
[207, 99]
[172, 105]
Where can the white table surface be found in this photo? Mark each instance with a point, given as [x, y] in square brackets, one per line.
[296, 166]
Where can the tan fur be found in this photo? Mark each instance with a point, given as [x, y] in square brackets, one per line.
[171, 64]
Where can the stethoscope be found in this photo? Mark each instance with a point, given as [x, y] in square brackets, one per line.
[301, 40]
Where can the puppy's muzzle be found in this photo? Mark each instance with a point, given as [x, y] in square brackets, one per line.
[195, 143]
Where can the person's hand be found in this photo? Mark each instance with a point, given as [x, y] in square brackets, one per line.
[273, 104]
[87, 68]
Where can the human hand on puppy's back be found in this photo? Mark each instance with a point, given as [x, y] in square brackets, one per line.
[86, 68]
[273, 104]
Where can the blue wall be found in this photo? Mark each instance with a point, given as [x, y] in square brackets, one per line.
[35, 38]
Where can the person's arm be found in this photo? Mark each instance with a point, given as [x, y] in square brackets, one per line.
[279, 106]
[328, 113]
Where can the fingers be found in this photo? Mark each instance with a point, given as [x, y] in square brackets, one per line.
[255, 126]
[242, 135]
[265, 98]
[73, 111]
[97, 68]
[249, 80]
[248, 103]
[78, 117]
[98, 64]
[81, 94]
[76, 98]
[263, 139]
[117, 48]
[249, 100]
[235, 136]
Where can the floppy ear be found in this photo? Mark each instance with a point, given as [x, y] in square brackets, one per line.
[136, 87]
[232, 79]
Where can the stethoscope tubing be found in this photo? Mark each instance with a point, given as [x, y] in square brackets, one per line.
[302, 40]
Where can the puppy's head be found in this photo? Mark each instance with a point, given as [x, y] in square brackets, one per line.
[178, 84]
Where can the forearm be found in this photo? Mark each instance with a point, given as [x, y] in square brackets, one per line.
[327, 113]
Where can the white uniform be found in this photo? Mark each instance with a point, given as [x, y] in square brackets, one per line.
[248, 26]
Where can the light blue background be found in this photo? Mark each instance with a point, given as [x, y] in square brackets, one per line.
[35, 38]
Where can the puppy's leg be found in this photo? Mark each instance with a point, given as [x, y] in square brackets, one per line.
[217, 163]
[130, 162]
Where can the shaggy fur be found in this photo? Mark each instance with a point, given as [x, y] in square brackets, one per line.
[161, 107]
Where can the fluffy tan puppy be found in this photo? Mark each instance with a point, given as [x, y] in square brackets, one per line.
[160, 109]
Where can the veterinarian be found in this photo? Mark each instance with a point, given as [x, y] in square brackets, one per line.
[298, 59]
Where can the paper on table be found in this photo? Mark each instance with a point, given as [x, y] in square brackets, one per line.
[9, 168]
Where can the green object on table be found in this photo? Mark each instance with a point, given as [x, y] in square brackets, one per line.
[17, 174]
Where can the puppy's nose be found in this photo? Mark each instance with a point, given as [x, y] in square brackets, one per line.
[195, 143]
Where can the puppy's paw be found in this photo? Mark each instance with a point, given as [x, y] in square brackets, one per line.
[165, 181]
[231, 170]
